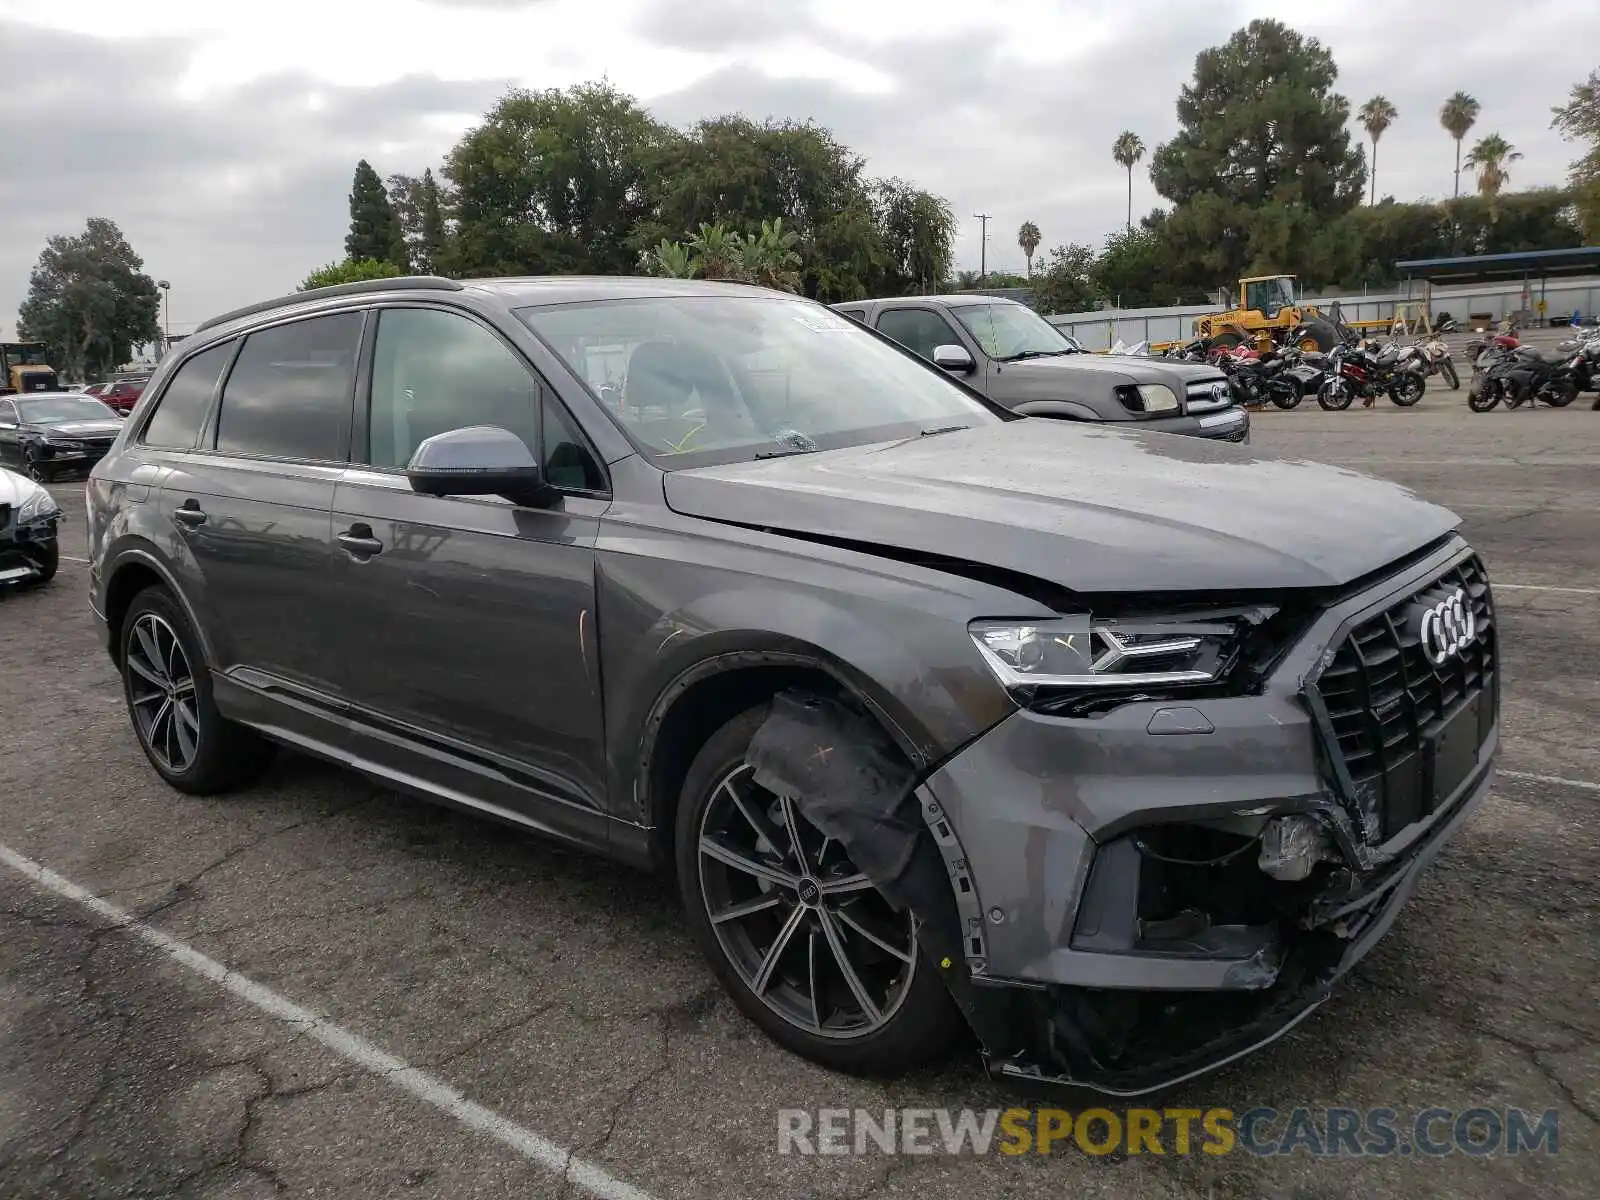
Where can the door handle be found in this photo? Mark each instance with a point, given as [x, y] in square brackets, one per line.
[358, 540]
[189, 514]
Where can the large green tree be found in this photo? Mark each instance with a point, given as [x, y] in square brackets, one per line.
[352, 270]
[374, 231]
[1262, 159]
[90, 301]
[1579, 121]
[1066, 281]
[551, 182]
[419, 209]
[918, 234]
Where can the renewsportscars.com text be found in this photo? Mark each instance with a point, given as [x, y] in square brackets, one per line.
[1262, 1132]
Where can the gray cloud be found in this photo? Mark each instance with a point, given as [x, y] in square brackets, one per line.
[230, 201]
[240, 195]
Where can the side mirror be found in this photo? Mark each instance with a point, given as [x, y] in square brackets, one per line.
[953, 358]
[479, 460]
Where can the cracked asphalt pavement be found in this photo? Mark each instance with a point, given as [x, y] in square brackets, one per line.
[564, 994]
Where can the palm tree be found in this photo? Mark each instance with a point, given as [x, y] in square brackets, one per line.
[1489, 158]
[1127, 150]
[1377, 115]
[1458, 116]
[1028, 242]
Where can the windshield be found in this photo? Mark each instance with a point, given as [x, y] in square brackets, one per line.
[1268, 296]
[26, 356]
[55, 409]
[1010, 331]
[703, 379]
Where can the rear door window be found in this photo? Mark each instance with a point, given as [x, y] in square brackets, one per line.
[289, 393]
[184, 402]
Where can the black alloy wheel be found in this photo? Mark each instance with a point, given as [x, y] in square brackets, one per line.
[161, 693]
[807, 947]
[167, 685]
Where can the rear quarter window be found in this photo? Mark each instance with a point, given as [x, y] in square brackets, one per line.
[290, 391]
[182, 408]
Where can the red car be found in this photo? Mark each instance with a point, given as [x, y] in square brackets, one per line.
[120, 394]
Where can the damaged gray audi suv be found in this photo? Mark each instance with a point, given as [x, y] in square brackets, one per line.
[1106, 745]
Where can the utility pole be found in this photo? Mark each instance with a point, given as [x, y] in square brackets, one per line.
[983, 249]
[166, 316]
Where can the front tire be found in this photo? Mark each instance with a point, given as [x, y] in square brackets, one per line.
[1334, 396]
[36, 470]
[809, 950]
[46, 561]
[1448, 370]
[167, 686]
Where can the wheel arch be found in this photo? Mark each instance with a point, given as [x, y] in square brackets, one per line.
[707, 693]
[134, 569]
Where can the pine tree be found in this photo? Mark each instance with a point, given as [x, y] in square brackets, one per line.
[374, 231]
[433, 233]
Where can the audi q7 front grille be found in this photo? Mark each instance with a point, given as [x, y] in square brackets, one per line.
[1389, 704]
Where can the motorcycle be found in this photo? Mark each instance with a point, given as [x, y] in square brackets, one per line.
[1436, 358]
[1364, 370]
[1517, 374]
[1269, 378]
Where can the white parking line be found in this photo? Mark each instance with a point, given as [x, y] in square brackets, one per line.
[73, 558]
[1583, 784]
[349, 1046]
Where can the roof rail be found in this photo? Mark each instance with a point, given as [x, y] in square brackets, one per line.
[404, 283]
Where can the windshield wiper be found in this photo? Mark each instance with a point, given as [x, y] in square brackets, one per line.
[942, 429]
[786, 451]
[1021, 354]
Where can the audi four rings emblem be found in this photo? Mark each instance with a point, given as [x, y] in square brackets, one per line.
[1448, 627]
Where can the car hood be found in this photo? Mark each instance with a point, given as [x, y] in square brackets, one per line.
[1089, 508]
[1129, 368]
[78, 428]
[14, 488]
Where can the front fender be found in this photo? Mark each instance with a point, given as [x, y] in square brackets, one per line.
[893, 634]
[1069, 410]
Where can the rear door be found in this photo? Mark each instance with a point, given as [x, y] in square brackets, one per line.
[249, 513]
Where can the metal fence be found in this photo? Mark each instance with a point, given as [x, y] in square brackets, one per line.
[1101, 329]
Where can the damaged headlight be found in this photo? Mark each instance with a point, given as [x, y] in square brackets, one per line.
[1084, 652]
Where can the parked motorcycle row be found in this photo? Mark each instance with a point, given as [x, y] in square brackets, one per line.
[1504, 370]
[1356, 369]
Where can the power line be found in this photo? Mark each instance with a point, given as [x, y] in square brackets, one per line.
[983, 248]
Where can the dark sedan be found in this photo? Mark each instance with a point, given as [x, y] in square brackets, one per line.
[29, 516]
[54, 433]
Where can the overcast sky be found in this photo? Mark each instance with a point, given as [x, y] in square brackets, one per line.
[221, 134]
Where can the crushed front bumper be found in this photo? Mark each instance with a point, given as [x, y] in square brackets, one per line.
[1090, 960]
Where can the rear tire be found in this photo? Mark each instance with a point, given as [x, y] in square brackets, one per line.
[916, 1021]
[1289, 400]
[167, 686]
[1563, 396]
[1407, 390]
